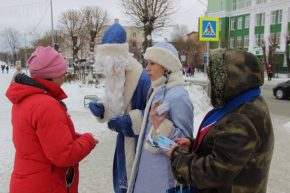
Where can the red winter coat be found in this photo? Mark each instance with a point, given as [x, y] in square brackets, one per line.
[45, 141]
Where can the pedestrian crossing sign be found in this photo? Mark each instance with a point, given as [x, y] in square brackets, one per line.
[208, 29]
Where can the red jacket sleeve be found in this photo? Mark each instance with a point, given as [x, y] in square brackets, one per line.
[56, 135]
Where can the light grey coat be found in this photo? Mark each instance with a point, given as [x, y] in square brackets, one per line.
[151, 171]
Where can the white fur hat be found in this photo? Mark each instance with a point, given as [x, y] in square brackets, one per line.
[164, 54]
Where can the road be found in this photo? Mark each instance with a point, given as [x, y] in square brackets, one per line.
[280, 113]
[276, 107]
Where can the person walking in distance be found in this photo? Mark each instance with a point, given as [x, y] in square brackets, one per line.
[269, 72]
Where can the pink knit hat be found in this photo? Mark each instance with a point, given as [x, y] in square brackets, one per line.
[46, 63]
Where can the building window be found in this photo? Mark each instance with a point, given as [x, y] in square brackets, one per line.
[233, 21]
[240, 23]
[239, 42]
[232, 42]
[134, 34]
[234, 4]
[239, 4]
[273, 17]
[279, 16]
[259, 38]
[278, 34]
[260, 19]
[260, 1]
[275, 38]
[247, 21]
[246, 41]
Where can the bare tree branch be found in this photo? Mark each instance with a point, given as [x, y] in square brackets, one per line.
[11, 36]
[149, 15]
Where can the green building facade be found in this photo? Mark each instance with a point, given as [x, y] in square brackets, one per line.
[247, 24]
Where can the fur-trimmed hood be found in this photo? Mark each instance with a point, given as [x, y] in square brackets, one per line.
[231, 73]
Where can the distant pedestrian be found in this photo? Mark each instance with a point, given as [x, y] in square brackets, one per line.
[7, 69]
[269, 72]
[2, 68]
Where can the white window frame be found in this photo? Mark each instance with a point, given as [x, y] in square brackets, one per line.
[233, 21]
[246, 41]
[247, 21]
[278, 38]
[234, 4]
[232, 42]
[239, 42]
[257, 38]
[240, 23]
[257, 19]
[279, 15]
[262, 19]
[273, 17]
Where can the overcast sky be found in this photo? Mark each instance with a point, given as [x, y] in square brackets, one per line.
[33, 16]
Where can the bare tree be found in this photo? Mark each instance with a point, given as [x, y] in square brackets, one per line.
[178, 38]
[11, 35]
[45, 40]
[95, 21]
[179, 32]
[270, 60]
[71, 23]
[287, 53]
[149, 15]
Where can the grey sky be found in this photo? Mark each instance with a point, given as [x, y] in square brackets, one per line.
[33, 16]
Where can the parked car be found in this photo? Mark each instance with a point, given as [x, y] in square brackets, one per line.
[282, 90]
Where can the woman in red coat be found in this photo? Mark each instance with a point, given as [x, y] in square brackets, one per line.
[47, 148]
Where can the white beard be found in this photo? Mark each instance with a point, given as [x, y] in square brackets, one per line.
[114, 90]
[114, 68]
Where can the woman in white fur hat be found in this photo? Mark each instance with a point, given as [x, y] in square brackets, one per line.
[151, 169]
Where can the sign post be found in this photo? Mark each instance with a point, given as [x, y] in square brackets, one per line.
[208, 31]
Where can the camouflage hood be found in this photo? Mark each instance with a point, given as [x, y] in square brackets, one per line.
[231, 73]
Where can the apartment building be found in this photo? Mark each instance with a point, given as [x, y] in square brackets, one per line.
[246, 24]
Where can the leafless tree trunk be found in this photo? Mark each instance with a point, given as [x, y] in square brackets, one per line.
[149, 15]
[287, 53]
[72, 22]
[95, 21]
[271, 53]
[11, 36]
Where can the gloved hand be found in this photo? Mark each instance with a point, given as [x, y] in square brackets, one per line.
[122, 124]
[97, 109]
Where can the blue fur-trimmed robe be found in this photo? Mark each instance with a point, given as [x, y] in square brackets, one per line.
[137, 84]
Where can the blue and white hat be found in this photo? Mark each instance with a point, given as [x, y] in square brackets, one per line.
[165, 54]
[114, 41]
[112, 55]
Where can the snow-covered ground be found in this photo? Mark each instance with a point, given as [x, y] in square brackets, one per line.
[96, 169]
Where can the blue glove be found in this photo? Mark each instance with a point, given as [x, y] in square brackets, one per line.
[97, 109]
[122, 124]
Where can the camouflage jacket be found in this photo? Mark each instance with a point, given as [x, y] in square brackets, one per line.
[235, 154]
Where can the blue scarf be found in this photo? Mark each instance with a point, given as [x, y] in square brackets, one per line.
[217, 113]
